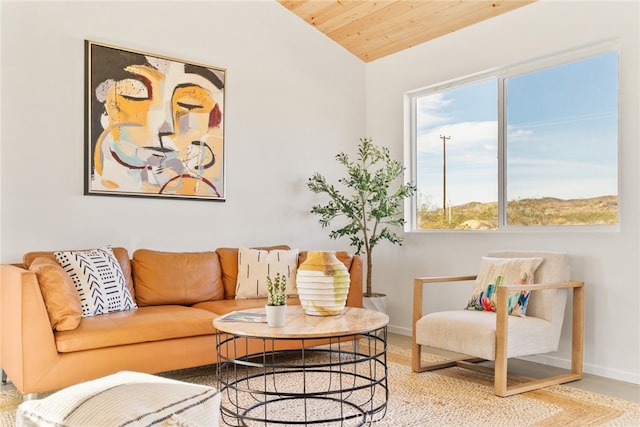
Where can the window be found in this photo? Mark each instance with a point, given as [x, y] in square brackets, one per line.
[534, 146]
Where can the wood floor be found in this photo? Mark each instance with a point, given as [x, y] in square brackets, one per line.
[602, 385]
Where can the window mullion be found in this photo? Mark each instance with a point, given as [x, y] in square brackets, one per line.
[411, 157]
[502, 151]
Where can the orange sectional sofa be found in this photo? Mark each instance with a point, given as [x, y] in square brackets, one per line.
[164, 333]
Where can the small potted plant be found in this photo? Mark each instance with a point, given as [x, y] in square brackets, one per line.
[276, 300]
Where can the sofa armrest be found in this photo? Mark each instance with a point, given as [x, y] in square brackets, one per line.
[28, 344]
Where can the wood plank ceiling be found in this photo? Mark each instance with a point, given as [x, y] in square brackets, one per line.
[372, 29]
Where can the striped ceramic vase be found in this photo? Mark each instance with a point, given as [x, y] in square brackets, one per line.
[323, 284]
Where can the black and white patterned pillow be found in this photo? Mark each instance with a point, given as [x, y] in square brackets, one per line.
[98, 279]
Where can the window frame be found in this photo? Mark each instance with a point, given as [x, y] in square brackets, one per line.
[501, 74]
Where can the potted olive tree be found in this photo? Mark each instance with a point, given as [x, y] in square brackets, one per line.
[367, 201]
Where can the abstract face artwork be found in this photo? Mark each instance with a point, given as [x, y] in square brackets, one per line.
[155, 126]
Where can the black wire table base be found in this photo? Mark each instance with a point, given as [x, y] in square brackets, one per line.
[341, 383]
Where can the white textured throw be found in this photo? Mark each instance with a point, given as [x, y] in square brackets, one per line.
[125, 399]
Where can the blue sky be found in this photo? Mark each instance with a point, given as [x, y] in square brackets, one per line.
[561, 138]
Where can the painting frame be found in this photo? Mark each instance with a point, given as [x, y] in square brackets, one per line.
[154, 125]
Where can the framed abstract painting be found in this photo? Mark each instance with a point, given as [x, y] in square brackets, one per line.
[154, 126]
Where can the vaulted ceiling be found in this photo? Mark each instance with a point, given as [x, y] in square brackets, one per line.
[372, 29]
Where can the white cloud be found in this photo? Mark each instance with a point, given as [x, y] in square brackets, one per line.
[429, 109]
[515, 134]
[464, 136]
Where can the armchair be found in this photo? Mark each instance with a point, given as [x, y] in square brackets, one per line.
[498, 336]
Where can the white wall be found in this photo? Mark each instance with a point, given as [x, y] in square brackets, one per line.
[293, 99]
[606, 261]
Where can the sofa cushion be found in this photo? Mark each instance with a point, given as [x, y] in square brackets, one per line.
[146, 324]
[121, 254]
[254, 265]
[503, 271]
[229, 265]
[59, 294]
[98, 279]
[183, 278]
[227, 306]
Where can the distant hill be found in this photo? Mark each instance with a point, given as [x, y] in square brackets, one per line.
[541, 211]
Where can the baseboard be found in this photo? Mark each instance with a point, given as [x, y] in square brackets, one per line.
[399, 330]
[558, 362]
[601, 371]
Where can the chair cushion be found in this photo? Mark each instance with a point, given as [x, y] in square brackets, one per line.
[125, 398]
[473, 333]
[548, 304]
[503, 271]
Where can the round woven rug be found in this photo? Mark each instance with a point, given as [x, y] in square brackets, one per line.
[449, 397]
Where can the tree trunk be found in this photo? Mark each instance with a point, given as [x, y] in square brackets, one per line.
[369, 290]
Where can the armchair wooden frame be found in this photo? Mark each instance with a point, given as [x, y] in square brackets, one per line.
[502, 324]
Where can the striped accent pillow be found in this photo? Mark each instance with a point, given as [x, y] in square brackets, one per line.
[125, 399]
[254, 265]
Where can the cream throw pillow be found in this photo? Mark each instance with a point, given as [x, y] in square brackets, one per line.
[503, 271]
[59, 294]
[254, 265]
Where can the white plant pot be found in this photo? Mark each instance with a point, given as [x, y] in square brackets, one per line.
[376, 302]
[276, 315]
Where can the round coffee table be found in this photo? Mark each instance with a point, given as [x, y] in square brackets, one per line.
[314, 370]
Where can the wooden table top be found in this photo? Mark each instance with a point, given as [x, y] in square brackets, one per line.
[299, 325]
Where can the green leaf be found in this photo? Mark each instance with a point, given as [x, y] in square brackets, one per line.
[365, 203]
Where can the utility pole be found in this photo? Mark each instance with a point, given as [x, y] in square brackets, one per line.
[444, 174]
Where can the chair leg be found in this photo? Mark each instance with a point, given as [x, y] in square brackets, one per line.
[416, 350]
[500, 374]
[577, 331]
[500, 377]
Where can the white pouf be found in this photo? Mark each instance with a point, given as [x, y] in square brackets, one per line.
[125, 399]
